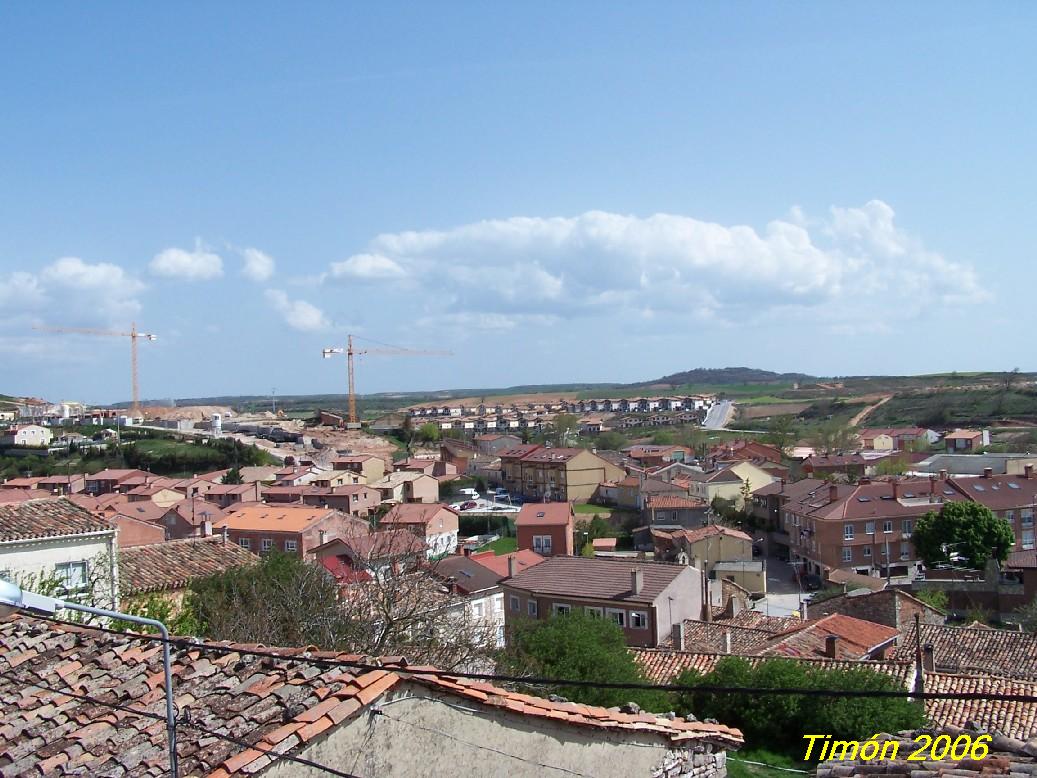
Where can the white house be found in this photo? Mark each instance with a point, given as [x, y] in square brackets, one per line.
[53, 539]
[483, 595]
[27, 435]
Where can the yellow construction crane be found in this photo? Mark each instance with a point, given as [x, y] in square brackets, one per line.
[133, 335]
[350, 352]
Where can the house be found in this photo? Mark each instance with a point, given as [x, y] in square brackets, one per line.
[226, 495]
[722, 552]
[53, 538]
[865, 527]
[109, 481]
[507, 564]
[972, 650]
[482, 590]
[894, 438]
[966, 441]
[296, 476]
[1010, 497]
[850, 466]
[644, 598]
[973, 464]
[370, 555]
[435, 524]
[546, 528]
[137, 523]
[653, 456]
[29, 483]
[892, 607]
[190, 518]
[72, 483]
[674, 509]
[369, 466]
[406, 486]
[167, 569]
[443, 471]
[365, 715]
[769, 500]
[290, 529]
[159, 492]
[745, 451]
[329, 479]
[724, 484]
[565, 474]
[29, 435]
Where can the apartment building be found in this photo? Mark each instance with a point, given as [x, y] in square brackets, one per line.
[286, 528]
[546, 528]
[561, 474]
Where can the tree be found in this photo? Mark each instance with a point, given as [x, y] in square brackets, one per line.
[934, 598]
[781, 432]
[779, 721]
[831, 437]
[581, 647]
[610, 441]
[663, 438]
[232, 476]
[564, 424]
[968, 530]
[428, 432]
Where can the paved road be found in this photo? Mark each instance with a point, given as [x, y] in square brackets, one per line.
[783, 593]
[719, 415]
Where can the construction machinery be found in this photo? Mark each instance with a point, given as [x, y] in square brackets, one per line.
[384, 350]
[133, 335]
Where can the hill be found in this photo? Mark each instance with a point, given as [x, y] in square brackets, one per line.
[727, 376]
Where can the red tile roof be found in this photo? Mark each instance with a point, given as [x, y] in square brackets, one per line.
[524, 558]
[50, 517]
[856, 638]
[674, 502]
[414, 513]
[175, 563]
[274, 705]
[980, 650]
[544, 514]
[598, 578]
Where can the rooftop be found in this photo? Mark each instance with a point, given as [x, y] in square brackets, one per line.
[976, 650]
[47, 518]
[414, 513]
[274, 705]
[544, 514]
[524, 559]
[173, 564]
[273, 518]
[598, 578]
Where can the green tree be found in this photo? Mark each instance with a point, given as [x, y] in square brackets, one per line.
[663, 438]
[565, 425]
[580, 647]
[779, 720]
[232, 476]
[428, 432]
[934, 598]
[610, 441]
[967, 529]
[781, 432]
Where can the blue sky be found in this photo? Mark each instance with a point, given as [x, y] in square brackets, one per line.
[555, 192]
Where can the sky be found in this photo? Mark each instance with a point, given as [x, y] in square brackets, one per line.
[553, 192]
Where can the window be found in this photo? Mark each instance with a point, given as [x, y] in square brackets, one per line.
[72, 575]
[847, 554]
[245, 543]
[1027, 517]
[887, 527]
[498, 603]
[531, 608]
[266, 544]
[847, 532]
[291, 545]
[869, 528]
[867, 552]
[620, 617]
[907, 527]
[592, 611]
[514, 602]
[5, 575]
[905, 550]
[1027, 539]
[542, 544]
[1010, 516]
[477, 610]
[559, 609]
[639, 620]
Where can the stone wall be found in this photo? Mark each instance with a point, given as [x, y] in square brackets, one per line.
[699, 762]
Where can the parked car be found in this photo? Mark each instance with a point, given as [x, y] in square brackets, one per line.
[813, 583]
[467, 506]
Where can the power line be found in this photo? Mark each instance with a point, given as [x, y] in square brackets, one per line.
[186, 722]
[199, 645]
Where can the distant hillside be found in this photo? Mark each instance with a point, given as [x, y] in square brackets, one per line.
[727, 376]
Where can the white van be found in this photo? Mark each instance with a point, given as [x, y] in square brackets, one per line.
[469, 494]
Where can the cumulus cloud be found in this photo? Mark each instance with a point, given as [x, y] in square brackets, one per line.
[367, 267]
[198, 265]
[83, 292]
[669, 264]
[297, 314]
[258, 266]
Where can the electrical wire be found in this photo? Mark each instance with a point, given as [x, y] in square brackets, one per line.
[771, 766]
[199, 645]
[38, 683]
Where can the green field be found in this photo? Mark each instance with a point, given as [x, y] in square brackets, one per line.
[501, 546]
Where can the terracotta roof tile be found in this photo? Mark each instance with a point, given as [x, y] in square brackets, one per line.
[47, 518]
[174, 563]
[597, 578]
[981, 650]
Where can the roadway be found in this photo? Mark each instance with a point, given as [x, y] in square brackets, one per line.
[719, 415]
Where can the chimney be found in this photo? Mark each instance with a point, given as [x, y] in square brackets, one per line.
[206, 529]
[736, 606]
[636, 580]
[782, 489]
[323, 536]
[677, 634]
[727, 641]
[896, 488]
[833, 492]
[511, 566]
[226, 534]
[988, 472]
[928, 658]
[943, 475]
[1027, 471]
[831, 646]
[803, 610]
[932, 488]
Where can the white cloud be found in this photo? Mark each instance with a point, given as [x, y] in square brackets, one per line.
[367, 267]
[297, 314]
[853, 264]
[198, 265]
[258, 267]
[73, 291]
